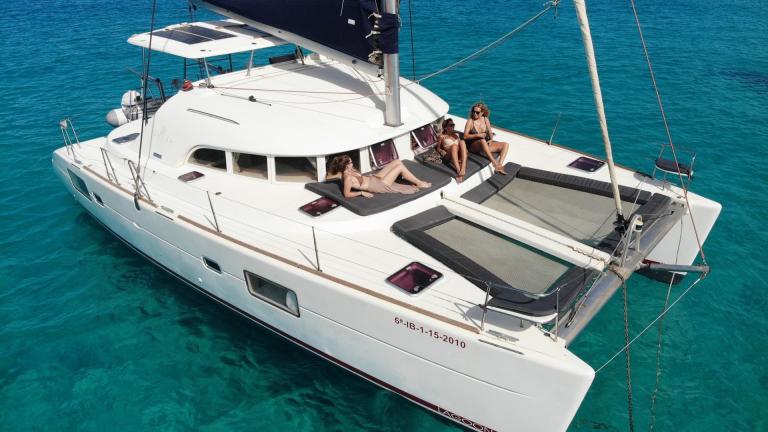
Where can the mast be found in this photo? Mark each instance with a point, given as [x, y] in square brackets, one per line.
[589, 50]
[392, 78]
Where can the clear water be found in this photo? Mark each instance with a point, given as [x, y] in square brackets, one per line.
[92, 337]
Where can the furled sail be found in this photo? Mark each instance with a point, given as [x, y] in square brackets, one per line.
[353, 31]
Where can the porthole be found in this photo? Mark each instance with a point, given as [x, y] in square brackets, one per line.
[211, 264]
[272, 293]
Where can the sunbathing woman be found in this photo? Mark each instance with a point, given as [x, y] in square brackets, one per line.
[453, 145]
[380, 182]
[479, 137]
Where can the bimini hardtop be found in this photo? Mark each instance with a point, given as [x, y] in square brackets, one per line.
[205, 39]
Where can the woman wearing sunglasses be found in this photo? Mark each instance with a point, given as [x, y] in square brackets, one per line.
[452, 144]
[479, 137]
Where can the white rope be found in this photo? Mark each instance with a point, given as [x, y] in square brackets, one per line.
[661, 315]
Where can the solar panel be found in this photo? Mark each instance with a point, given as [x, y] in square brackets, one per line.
[179, 36]
[205, 32]
[192, 34]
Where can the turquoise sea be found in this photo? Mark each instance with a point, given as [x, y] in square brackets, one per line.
[94, 338]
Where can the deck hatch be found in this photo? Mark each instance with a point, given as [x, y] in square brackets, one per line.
[586, 164]
[414, 277]
[319, 206]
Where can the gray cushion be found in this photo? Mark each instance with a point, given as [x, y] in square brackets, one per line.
[583, 184]
[446, 167]
[384, 201]
[497, 182]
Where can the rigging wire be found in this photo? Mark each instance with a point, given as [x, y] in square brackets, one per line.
[660, 342]
[492, 45]
[410, 28]
[667, 129]
[655, 320]
[630, 411]
[659, 347]
[474, 55]
[454, 65]
[145, 119]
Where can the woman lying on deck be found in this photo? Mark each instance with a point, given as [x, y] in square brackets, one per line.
[455, 147]
[479, 137]
[380, 182]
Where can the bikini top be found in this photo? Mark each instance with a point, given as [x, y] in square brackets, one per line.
[359, 178]
[474, 130]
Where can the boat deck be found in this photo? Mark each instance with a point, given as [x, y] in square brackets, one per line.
[362, 249]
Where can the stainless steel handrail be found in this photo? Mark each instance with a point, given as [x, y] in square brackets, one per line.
[137, 181]
[108, 168]
[64, 126]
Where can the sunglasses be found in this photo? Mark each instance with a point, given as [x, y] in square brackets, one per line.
[476, 112]
[450, 125]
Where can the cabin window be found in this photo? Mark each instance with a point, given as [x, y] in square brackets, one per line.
[251, 165]
[211, 158]
[296, 169]
[79, 184]
[98, 199]
[272, 293]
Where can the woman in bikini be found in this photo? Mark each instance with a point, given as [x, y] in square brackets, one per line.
[479, 137]
[380, 182]
[450, 142]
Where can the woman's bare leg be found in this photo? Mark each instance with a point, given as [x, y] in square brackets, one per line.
[463, 155]
[500, 147]
[454, 151]
[395, 169]
[481, 146]
[392, 166]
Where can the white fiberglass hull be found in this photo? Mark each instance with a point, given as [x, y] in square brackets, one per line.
[455, 372]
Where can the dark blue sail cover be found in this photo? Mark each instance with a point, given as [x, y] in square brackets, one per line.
[343, 25]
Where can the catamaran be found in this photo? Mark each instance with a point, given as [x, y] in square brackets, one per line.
[463, 298]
